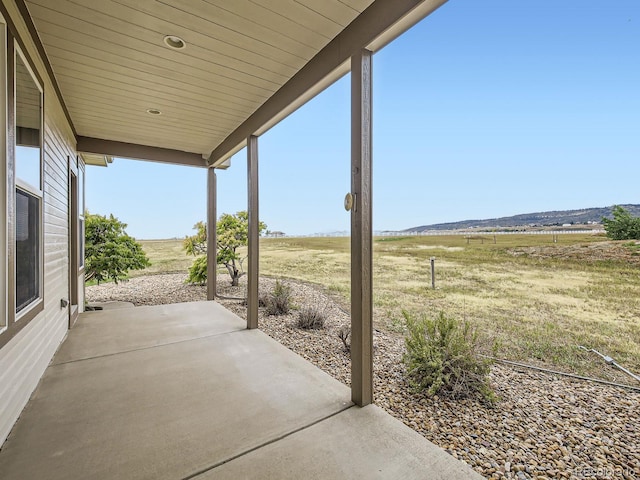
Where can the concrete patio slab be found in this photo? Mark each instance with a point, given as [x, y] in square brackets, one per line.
[184, 391]
[99, 306]
[354, 444]
[166, 412]
[108, 332]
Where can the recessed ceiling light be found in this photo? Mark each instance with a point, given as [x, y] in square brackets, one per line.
[154, 111]
[174, 42]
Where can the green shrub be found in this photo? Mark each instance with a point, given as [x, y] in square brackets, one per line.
[278, 301]
[312, 317]
[109, 252]
[623, 226]
[198, 271]
[442, 358]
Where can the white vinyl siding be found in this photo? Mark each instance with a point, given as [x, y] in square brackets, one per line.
[25, 357]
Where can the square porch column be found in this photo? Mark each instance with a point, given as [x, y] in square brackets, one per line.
[361, 230]
[254, 232]
[212, 243]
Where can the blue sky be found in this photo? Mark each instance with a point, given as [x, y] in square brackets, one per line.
[484, 109]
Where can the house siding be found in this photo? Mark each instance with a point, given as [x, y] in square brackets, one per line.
[25, 357]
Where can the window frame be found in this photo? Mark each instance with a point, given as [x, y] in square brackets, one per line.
[82, 173]
[17, 321]
[36, 191]
[4, 230]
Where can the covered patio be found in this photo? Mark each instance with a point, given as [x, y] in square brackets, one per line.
[193, 84]
[187, 391]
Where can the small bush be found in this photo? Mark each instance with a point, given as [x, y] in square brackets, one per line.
[278, 302]
[344, 334]
[442, 358]
[312, 317]
[263, 299]
[198, 271]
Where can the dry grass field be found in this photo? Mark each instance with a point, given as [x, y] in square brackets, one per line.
[167, 256]
[531, 299]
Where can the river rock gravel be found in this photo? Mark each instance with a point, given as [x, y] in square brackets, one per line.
[544, 426]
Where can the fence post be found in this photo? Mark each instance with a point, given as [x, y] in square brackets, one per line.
[433, 272]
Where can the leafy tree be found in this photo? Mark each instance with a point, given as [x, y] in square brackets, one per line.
[109, 252]
[232, 233]
[623, 226]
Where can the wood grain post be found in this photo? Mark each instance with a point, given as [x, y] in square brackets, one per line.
[433, 272]
[361, 230]
[254, 232]
[212, 244]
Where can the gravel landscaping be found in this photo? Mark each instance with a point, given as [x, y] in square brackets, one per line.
[544, 426]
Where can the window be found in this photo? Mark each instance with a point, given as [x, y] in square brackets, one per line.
[4, 296]
[28, 189]
[80, 215]
[21, 187]
[27, 249]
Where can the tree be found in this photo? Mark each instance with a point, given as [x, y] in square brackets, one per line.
[109, 252]
[232, 233]
[623, 226]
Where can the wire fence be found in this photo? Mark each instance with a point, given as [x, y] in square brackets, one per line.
[463, 233]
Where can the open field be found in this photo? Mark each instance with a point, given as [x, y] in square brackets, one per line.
[167, 256]
[532, 300]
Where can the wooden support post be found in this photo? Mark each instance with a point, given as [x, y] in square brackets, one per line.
[212, 244]
[433, 272]
[361, 230]
[254, 231]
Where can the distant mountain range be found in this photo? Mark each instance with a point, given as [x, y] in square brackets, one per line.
[556, 218]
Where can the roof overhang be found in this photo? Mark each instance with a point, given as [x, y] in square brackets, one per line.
[246, 66]
[379, 24]
[96, 160]
[110, 148]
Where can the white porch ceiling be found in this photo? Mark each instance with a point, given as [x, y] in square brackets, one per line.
[111, 63]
